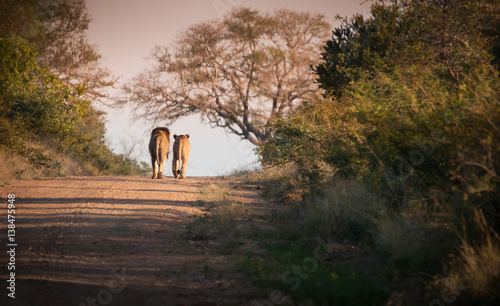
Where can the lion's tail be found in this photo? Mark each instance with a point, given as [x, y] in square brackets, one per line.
[158, 156]
[178, 161]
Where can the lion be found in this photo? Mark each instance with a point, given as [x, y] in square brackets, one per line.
[158, 148]
[181, 149]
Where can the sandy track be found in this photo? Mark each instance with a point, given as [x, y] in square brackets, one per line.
[115, 241]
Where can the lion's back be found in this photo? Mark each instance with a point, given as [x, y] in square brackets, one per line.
[160, 136]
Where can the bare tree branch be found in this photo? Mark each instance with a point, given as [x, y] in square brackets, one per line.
[238, 73]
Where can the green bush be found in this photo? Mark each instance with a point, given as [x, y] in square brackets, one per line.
[42, 119]
[410, 111]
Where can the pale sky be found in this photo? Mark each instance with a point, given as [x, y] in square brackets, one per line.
[125, 32]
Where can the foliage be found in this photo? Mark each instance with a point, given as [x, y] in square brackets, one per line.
[305, 138]
[410, 111]
[45, 119]
[56, 30]
[411, 127]
[239, 73]
[451, 36]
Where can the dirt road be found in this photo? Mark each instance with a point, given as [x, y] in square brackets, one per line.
[114, 241]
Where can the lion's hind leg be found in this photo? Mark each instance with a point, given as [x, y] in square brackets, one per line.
[184, 167]
[154, 165]
[162, 166]
[175, 167]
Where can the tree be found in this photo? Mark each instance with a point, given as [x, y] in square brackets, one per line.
[47, 73]
[450, 35]
[410, 112]
[56, 30]
[239, 73]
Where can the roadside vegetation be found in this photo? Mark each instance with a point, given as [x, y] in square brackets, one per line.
[49, 80]
[386, 182]
[383, 183]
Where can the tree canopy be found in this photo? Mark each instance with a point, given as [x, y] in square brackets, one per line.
[409, 115]
[239, 73]
[452, 36]
[49, 77]
[409, 103]
[56, 31]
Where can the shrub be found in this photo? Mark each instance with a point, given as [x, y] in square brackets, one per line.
[412, 243]
[347, 209]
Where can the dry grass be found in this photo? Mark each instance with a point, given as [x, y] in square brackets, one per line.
[476, 268]
[40, 160]
[402, 240]
[278, 183]
[413, 243]
[228, 211]
[225, 209]
[10, 167]
[266, 174]
[216, 192]
[347, 208]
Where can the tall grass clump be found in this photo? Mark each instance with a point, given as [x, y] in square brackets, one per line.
[10, 166]
[346, 209]
[279, 183]
[225, 210]
[266, 174]
[216, 192]
[474, 272]
[409, 243]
